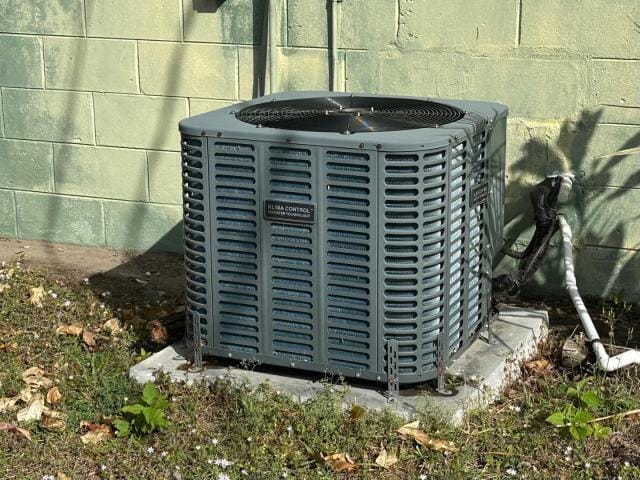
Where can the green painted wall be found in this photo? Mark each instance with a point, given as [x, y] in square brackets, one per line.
[91, 92]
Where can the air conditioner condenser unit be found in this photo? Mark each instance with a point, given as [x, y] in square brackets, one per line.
[346, 234]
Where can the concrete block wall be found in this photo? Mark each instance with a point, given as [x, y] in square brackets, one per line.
[91, 92]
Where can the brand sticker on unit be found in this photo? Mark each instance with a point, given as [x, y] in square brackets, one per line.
[479, 194]
[289, 211]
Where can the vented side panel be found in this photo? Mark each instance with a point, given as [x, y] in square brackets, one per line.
[349, 229]
[291, 250]
[195, 191]
[235, 256]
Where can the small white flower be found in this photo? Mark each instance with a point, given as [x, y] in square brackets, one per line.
[150, 450]
[106, 293]
[126, 399]
[223, 462]
[587, 465]
[568, 450]
[567, 458]
[223, 476]
[285, 474]
[198, 447]
[626, 464]
[85, 281]
[53, 294]
[210, 462]
[511, 472]
[66, 303]
[103, 467]
[289, 429]
[423, 477]
[214, 441]
[277, 392]
[244, 471]
[173, 399]
[249, 439]
[102, 306]
[48, 477]
[193, 430]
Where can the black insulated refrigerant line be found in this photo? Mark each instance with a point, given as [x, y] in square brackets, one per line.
[544, 198]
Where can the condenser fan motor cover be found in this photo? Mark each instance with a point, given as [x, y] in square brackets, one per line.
[347, 234]
[350, 114]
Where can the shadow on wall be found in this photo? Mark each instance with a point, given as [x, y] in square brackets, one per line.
[604, 219]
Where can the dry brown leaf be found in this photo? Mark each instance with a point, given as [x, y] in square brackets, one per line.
[34, 377]
[36, 296]
[421, 438]
[88, 339]
[34, 409]
[69, 330]
[8, 404]
[13, 428]
[356, 412]
[9, 347]
[112, 326]
[53, 395]
[53, 421]
[537, 367]
[9, 274]
[385, 459]
[4, 286]
[340, 462]
[95, 432]
[25, 394]
[62, 476]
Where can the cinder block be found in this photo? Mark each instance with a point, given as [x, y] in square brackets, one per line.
[190, 70]
[165, 177]
[521, 83]
[26, 165]
[60, 219]
[100, 172]
[149, 20]
[237, 22]
[20, 61]
[90, 64]
[601, 28]
[57, 17]
[1, 116]
[457, 24]
[143, 226]
[48, 115]
[138, 121]
[363, 24]
[528, 143]
[203, 105]
[8, 216]
[615, 89]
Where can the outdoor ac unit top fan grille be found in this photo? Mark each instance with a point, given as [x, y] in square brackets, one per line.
[350, 114]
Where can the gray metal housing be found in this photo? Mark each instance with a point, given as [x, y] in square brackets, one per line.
[400, 250]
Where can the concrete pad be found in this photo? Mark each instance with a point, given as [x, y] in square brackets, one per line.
[479, 375]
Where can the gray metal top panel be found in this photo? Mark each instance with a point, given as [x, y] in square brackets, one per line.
[223, 123]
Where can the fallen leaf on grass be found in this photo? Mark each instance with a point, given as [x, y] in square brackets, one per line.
[36, 296]
[385, 459]
[7, 404]
[9, 347]
[34, 377]
[356, 412]
[53, 395]
[537, 367]
[4, 286]
[88, 339]
[13, 428]
[53, 421]
[112, 326]
[33, 410]
[73, 330]
[340, 462]
[421, 438]
[62, 476]
[95, 432]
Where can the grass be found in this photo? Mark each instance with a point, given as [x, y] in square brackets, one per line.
[264, 433]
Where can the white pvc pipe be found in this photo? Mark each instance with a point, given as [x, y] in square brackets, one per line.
[273, 25]
[334, 45]
[605, 362]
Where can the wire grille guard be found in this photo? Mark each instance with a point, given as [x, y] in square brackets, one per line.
[350, 114]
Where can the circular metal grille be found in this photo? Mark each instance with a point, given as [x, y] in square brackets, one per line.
[350, 114]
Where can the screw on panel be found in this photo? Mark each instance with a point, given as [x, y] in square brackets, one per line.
[379, 146]
[393, 379]
[361, 145]
[219, 134]
[442, 368]
[203, 133]
[288, 140]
